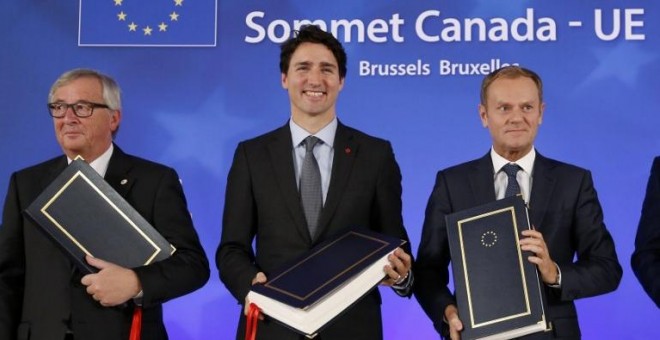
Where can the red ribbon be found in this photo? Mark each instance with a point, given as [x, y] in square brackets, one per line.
[136, 324]
[252, 318]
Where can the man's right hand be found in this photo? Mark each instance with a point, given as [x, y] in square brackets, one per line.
[455, 324]
[260, 278]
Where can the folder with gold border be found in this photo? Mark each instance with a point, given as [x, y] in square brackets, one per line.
[84, 215]
[497, 289]
[312, 290]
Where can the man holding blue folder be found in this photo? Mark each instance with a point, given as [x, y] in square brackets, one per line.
[299, 185]
[43, 296]
[573, 250]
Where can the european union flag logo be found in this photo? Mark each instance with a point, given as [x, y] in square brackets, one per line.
[165, 23]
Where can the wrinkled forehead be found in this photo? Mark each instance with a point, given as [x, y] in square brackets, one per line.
[513, 89]
[85, 87]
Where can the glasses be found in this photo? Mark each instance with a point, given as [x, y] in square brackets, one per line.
[80, 109]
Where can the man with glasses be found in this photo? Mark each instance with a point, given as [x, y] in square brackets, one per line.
[42, 294]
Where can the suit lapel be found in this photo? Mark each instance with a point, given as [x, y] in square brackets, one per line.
[53, 171]
[281, 157]
[118, 173]
[481, 181]
[345, 151]
[542, 190]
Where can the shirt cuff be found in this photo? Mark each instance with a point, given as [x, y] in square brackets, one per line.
[404, 287]
[558, 283]
[137, 299]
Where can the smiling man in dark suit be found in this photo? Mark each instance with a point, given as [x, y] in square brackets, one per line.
[42, 294]
[360, 186]
[563, 205]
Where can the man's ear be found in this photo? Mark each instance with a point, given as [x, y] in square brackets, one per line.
[483, 115]
[285, 83]
[115, 119]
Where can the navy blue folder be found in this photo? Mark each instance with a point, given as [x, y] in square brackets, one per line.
[84, 215]
[309, 278]
[497, 289]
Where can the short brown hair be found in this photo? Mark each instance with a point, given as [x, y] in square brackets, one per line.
[510, 72]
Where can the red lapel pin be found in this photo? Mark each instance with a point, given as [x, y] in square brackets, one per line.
[347, 150]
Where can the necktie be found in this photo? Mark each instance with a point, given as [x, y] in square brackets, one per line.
[310, 186]
[512, 188]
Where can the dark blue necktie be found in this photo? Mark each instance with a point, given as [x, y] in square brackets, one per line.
[512, 188]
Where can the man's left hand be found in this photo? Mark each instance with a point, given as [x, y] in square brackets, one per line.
[398, 269]
[112, 285]
[533, 242]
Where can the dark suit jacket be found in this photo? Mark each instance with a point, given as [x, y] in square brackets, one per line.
[645, 260]
[262, 201]
[40, 291]
[563, 206]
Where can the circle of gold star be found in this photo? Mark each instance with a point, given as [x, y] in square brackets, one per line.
[488, 239]
[148, 29]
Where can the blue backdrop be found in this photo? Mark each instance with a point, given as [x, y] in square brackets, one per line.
[198, 76]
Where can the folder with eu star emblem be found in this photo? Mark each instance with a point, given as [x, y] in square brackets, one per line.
[84, 215]
[498, 290]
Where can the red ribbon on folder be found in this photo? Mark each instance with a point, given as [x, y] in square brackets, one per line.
[252, 319]
[136, 324]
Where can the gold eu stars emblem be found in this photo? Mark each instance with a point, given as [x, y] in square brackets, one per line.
[148, 27]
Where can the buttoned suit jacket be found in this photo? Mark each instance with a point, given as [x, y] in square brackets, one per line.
[645, 260]
[563, 206]
[40, 289]
[262, 202]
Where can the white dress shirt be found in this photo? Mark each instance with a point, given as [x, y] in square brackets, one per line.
[524, 176]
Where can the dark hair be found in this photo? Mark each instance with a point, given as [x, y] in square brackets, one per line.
[312, 34]
[510, 72]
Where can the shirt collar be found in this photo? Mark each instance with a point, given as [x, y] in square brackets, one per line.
[526, 162]
[326, 134]
[101, 163]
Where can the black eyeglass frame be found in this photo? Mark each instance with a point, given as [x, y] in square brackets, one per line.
[92, 106]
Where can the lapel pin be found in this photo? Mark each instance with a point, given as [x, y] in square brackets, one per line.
[347, 150]
[123, 181]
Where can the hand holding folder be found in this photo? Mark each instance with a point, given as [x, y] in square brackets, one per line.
[113, 285]
[87, 218]
[310, 292]
[497, 289]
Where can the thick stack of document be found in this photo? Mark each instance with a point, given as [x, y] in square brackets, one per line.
[84, 215]
[497, 289]
[308, 293]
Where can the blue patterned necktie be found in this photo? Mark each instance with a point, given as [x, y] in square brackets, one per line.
[311, 195]
[512, 188]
